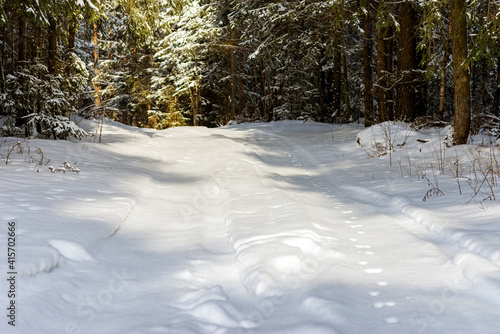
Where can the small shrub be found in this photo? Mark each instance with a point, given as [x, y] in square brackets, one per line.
[66, 167]
[434, 190]
[15, 147]
[57, 127]
[20, 148]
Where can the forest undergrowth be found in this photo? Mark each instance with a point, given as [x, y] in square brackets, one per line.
[422, 154]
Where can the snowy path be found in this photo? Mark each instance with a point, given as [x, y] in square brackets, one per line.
[267, 228]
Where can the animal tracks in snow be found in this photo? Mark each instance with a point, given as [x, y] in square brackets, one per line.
[384, 304]
[247, 228]
[358, 231]
[366, 261]
[374, 270]
[392, 320]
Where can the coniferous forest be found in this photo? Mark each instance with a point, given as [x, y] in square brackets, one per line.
[164, 63]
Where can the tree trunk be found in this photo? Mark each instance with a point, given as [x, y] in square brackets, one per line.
[2, 73]
[148, 94]
[367, 66]
[389, 93]
[406, 63]
[442, 74]
[255, 102]
[52, 45]
[39, 41]
[337, 80]
[320, 90]
[346, 87]
[262, 91]
[73, 27]
[2, 60]
[194, 99]
[241, 95]
[97, 86]
[461, 123]
[381, 74]
[479, 73]
[270, 99]
[233, 102]
[496, 103]
[21, 56]
[2, 87]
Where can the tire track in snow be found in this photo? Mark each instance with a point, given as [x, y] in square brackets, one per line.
[206, 305]
[275, 177]
[209, 305]
[289, 247]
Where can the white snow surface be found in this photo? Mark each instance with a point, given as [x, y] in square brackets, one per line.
[284, 227]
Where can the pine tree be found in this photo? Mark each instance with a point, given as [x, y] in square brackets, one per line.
[205, 62]
[367, 63]
[45, 78]
[407, 62]
[462, 120]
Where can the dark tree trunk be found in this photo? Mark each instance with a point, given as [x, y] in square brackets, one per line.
[2, 73]
[320, 91]
[52, 62]
[337, 81]
[73, 27]
[21, 56]
[442, 74]
[195, 104]
[381, 74]
[39, 41]
[241, 95]
[496, 103]
[347, 103]
[461, 123]
[389, 68]
[367, 66]
[97, 86]
[2, 60]
[233, 102]
[71, 41]
[270, 99]
[479, 73]
[262, 91]
[406, 63]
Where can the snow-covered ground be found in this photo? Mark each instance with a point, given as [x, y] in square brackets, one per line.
[284, 227]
